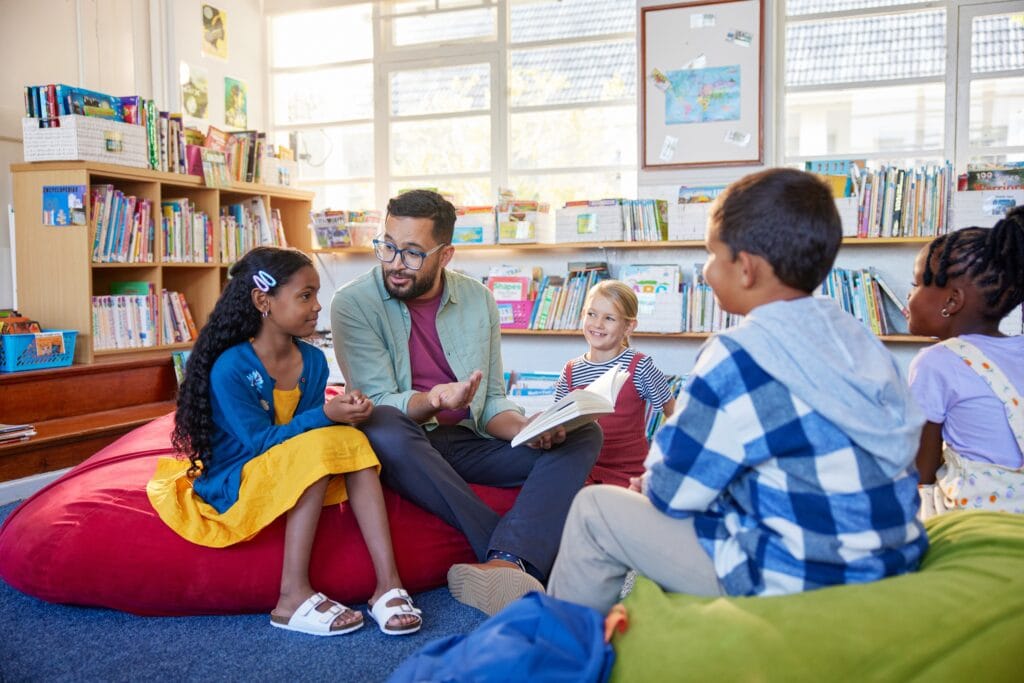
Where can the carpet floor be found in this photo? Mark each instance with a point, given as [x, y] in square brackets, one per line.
[40, 641]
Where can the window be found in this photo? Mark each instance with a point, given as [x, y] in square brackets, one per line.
[466, 96]
[872, 79]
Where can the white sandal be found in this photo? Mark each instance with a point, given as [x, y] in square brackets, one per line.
[382, 613]
[307, 619]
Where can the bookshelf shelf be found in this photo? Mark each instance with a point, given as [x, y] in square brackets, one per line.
[667, 244]
[895, 338]
[56, 277]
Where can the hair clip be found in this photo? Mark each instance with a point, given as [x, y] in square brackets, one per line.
[264, 281]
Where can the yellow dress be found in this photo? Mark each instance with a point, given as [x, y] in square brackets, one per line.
[272, 482]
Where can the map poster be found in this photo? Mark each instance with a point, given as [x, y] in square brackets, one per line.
[702, 81]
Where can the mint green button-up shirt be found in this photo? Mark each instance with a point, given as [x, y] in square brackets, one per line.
[371, 339]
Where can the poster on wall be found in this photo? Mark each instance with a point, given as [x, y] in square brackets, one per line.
[236, 98]
[215, 32]
[195, 94]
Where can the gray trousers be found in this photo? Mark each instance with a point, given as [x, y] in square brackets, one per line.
[611, 530]
[433, 469]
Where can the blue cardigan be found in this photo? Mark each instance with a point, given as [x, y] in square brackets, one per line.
[242, 397]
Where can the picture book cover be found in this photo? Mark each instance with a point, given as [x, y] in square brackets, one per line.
[63, 205]
[91, 103]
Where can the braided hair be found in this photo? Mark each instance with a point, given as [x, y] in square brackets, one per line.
[991, 258]
[234, 319]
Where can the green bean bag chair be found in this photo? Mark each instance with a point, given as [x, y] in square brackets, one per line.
[960, 618]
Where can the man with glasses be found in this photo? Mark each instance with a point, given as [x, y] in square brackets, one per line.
[427, 340]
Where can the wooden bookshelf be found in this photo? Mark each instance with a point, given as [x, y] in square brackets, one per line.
[667, 244]
[56, 277]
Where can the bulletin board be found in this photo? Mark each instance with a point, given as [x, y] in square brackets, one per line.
[702, 69]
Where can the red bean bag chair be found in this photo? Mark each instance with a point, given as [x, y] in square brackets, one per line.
[92, 538]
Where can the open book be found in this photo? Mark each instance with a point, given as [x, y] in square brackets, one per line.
[578, 407]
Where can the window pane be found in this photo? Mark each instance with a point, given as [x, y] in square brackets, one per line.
[865, 120]
[445, 26]
[463, 191]
[997, 112]
[321, 37]
[350, 197]
[997, 42]
[878, 48]
[559, 188]
[599, 136]
[337, 94]
[586, 72]
[795, 7]
[551, 19]
[335, 152]
[459, 145]
[466, 87]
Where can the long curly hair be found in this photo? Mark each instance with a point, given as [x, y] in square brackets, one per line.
[991, 258]
[234, 319]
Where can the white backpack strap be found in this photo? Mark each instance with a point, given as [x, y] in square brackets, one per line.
[996, 380]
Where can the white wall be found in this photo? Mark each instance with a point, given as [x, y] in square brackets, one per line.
[124, 47]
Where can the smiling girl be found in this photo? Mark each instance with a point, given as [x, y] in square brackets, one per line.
[609, 316]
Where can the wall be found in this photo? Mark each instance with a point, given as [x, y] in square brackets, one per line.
[115, 46]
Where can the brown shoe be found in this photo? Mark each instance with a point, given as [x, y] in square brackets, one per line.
[489, 588]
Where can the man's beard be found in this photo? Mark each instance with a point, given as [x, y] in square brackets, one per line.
[420, 282]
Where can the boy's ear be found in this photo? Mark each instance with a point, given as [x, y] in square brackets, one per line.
[748, 267]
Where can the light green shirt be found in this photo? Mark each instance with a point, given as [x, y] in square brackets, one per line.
[371, 339]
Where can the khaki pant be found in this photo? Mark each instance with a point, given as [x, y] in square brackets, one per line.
[611, 530]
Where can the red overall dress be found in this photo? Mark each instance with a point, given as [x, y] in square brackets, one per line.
[625, 439]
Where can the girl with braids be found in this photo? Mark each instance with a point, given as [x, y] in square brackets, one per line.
[609, 316]
[261, 442]
[970, 384]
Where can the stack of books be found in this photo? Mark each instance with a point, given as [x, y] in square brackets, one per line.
[559, 304]
[867, 297]
[12, 433]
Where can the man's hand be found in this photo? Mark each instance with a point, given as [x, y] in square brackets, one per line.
[455, 395]
[352, 408]
[548, 439]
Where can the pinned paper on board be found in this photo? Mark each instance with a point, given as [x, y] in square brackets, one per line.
[698, 62]
[738, 138]
[661, 81]
[215, 32]
[702, 20]
[741, 38]
[668, 148]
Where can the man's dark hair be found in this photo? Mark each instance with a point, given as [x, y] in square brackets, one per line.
[426, 204]
[786, 216]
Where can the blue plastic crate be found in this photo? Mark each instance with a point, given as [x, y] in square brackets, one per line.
[18, 352]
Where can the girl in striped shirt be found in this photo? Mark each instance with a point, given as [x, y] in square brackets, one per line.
[609, 316]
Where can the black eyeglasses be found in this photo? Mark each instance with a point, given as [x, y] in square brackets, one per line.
[411, 258]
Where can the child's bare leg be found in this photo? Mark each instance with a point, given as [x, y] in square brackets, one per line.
[367, 501]
[298, 545]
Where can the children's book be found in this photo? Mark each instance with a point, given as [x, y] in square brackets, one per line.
[578, 407]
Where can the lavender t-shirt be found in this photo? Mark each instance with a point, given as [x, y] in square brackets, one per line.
[426, 355]
[972, 416]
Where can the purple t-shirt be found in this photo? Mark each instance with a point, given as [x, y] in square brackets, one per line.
[426, 355]
[972, 416]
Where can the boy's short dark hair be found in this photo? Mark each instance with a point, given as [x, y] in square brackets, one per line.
[426, 204]
[786, 216]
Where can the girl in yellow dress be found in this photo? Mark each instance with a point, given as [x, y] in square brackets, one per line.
[261, 442]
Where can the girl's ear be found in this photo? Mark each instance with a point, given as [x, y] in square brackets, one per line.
[630, 326]
[955, 300]
[260, 300]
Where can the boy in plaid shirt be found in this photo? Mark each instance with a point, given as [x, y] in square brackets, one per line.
[788, 465]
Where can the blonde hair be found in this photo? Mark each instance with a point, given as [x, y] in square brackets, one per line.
[621, 295]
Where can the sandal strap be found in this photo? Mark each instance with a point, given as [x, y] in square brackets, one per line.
[387, 611]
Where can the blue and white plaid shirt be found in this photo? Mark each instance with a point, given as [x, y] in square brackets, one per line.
[782, 500]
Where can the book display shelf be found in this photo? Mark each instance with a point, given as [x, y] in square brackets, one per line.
[620, 252]
[57, 277]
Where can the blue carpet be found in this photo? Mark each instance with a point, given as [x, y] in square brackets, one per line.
[40, 641]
